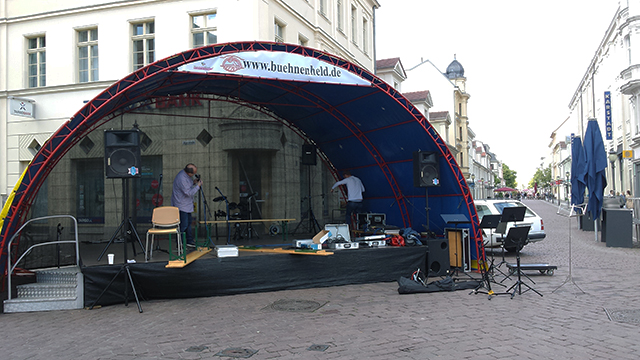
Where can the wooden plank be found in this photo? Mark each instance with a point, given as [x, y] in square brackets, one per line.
[245, 221]
[191, 257]
[287, 251]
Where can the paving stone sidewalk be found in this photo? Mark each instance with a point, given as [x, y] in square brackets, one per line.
[372, 321]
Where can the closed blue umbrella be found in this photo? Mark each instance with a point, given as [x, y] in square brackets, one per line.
[596, 161]
[578, 171]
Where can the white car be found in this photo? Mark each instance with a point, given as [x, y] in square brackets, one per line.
[495, 207]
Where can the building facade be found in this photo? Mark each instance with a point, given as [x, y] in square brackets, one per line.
[431, 91]
[609, 92]
[61, 54]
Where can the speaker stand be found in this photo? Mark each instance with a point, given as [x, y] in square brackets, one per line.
[126, 221]
[126, 224]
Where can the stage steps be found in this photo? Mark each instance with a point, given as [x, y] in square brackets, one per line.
[54, 289]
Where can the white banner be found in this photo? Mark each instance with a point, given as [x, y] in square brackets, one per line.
[22, 107]
[275, 65]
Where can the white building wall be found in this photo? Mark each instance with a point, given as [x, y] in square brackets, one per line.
[238, 20]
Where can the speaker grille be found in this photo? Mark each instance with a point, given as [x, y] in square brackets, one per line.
[426, 169]
[121, 160]
[438, 257]
[122, 153]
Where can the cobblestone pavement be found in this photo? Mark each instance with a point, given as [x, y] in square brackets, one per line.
[372, 321]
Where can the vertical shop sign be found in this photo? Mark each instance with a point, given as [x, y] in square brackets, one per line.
[607, 115]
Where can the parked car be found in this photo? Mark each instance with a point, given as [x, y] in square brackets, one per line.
[495, 207]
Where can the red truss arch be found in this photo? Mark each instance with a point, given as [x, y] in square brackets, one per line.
[369, 129]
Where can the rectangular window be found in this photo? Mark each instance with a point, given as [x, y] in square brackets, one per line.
[148, 189]
[90, 191]
[203, 29]
[37, 59]
[143, 39]
[278, 31]
[364, 35]
[88, 55]
[354, 25]
[339, 14]
[323, 7]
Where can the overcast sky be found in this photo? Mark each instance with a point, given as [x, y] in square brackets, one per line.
[523, 61]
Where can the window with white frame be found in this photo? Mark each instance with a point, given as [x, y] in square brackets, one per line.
[354, 25]
[339, 14]
[87, 55]
[365, 25]
[323, 7]
[204, 28]
[37, 59]
[627, 45]
[278, 31]
[143, 41]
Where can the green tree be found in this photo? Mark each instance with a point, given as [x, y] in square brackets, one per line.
[509, 176]
[542, 177]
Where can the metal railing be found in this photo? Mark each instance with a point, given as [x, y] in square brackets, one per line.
[11, 268]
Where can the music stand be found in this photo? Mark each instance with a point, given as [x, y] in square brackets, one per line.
[489, 222]
[517, 236]
[492, 222]
[513, 213]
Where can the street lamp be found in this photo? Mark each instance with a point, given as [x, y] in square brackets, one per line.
[473, 184]
[612, 158]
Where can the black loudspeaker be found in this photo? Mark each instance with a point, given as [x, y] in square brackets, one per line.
[426, 169]
[308, 154]
[122, 153]
[438, 257]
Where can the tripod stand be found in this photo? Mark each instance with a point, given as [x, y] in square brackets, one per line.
[126, 225]
[313, 226]
[308, 215]
[576, 212]
[127, 230]
[517, 236]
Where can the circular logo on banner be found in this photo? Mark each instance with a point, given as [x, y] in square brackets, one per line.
[157, 200]
[232, 63]
[154, 184]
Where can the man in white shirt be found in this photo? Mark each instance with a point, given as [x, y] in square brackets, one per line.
[354, 194]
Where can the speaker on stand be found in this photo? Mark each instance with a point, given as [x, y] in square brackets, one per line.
[122, 160]
[309, 159]
[426, 174]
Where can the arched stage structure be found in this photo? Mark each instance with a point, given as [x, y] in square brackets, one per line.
[357, 121]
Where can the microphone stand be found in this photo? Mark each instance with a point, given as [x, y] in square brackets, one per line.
[206, 210]
[226, 201]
